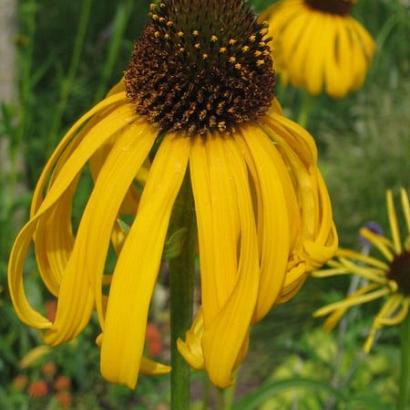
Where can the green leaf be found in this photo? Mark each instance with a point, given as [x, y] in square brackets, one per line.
[124, 226]
[260, 395]
[174, 244]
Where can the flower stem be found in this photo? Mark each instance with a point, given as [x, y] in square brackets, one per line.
[225, 398]
[404, 388]
[206, 386]
[305, 110]
[182, 268]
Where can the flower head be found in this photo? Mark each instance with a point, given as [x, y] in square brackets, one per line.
[62, 383]
[387, 279]
[38, 389]
[64, 398]
[319, 46]
[196, 100]
[49, 369]
[20, 382]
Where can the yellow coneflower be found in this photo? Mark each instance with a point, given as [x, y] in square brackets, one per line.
[198, 94]
[387, 279]
[319, 46]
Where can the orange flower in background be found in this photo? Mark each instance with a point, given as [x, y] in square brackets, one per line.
[20, 382]
[319, 46]
[38, 389]
[62, 383]
[154, 340]
[64, 398]
[49, 369]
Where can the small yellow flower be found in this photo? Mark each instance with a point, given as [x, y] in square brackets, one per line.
[387, 279]
[262, 209]
[319, 46]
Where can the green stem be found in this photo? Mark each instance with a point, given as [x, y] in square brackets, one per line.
[182, 269]
[225, 398]
[205, 391]
[72, 70]
[404, 388]
[305, 110]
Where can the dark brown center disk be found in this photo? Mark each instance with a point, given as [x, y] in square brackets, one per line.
[340, 7]
[400, 272]
[201, 66]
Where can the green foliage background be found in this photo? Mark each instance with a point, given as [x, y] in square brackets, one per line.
[69, 53]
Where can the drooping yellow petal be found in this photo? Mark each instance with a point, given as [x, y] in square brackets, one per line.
[343, 55]
[33, 357]
[138, 264]
[290, 291]
[200, 179]
[394, 226]
[96, 137]
[347, 253]
[318, 236]
[54, 241]
[107, 105]
[365, 39]
[327, 273]
[76, 296]
[117, 88]
[318, 50]
[218, 230]
[334, 87]
[314, 61]
[359, 300]
[379, 241]
[336, 315]
[406, 208]
[131, 199]
[274, 230]
[225, 336]
[296, 57]
[358, 57]
[397, 315]
[53, 246]
[191, 347]
[286, 37]
[388, 308]
[365, 272]
[148, 367]
[296, 137]
[324, 244]
[224, 224]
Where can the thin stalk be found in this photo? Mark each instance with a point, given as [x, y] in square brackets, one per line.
[182, 269]
[26, 74]
[205, 391]
[404, 386]
[67, 85]
[305, 110]
[120, 24]
[338, 381]
[225, 398]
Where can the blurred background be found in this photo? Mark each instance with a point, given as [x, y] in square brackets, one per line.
[57, 58]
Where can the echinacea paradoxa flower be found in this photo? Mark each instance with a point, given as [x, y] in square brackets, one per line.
[319, 46]
[197, 99]
[387, 279]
